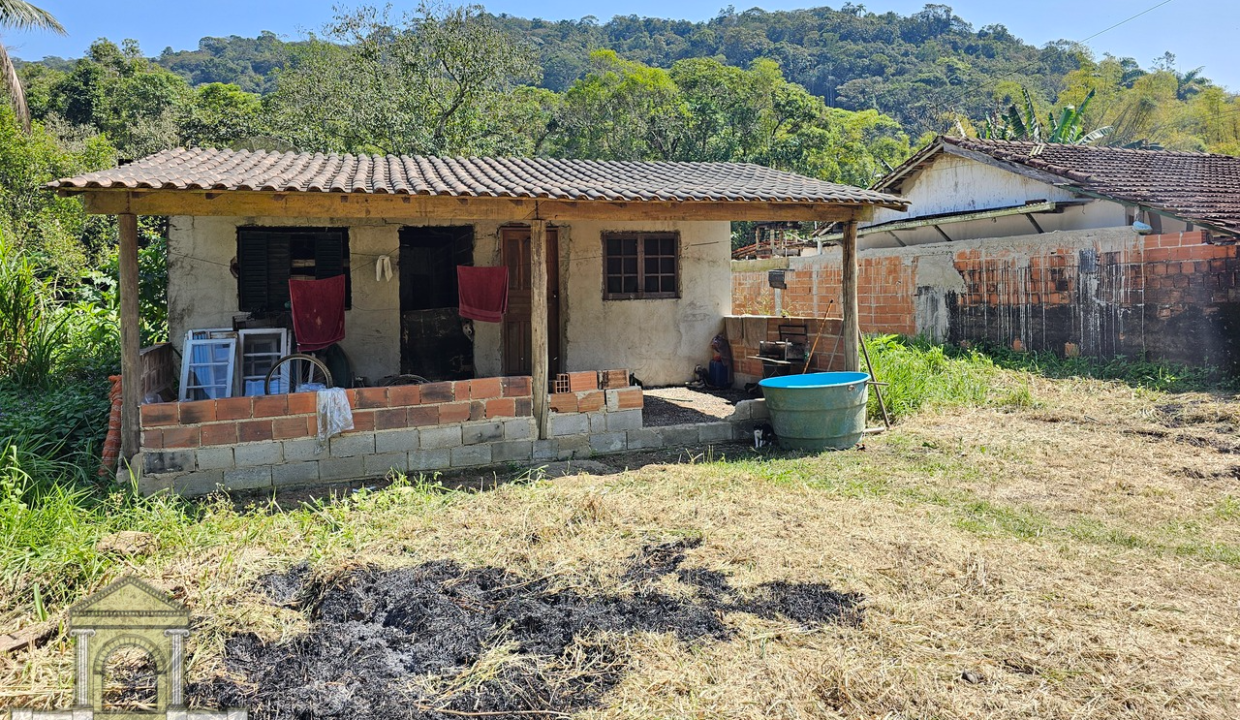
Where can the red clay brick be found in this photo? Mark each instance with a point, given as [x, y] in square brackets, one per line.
[266, 406]
[154, 414]
[564, 402]
[630, 398]
[153, 439]
[518, 386]
[303, 403]
[235, 408]
[254, 430]
[451, 413]
[390, 418]
[297, 426]
[501, 407]
[220, 433]
[525, 406]
[591, 401]
[197, 412]
[582, 381]
[435, 393]
[485, 388]
[403, 395]
[460, 390]
[364, 421]
[181, 437]
[423, 415]
[372, 397]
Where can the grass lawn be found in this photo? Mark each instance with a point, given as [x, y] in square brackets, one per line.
[1055, 548]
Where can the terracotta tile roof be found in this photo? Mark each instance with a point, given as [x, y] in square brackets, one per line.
[202, 169]
[1198, 187]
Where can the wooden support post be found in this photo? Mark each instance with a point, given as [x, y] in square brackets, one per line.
[538, 325]
[131, 338]
[848, 298]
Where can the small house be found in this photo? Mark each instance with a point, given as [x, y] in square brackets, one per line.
[614, 270]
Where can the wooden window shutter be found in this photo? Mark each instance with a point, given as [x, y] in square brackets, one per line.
[252, 281]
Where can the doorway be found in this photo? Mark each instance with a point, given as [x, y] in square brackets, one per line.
[433, 342]
[517, 346]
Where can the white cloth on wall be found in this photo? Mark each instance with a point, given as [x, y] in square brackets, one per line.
[334, 414]
[383, 268]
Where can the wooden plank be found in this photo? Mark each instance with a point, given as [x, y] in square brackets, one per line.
[848, 296]
[131, 339]
[538, 324]
[411, 207]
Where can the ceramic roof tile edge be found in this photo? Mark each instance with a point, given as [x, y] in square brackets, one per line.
[182, 169]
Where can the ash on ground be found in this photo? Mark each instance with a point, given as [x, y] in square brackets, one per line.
[437, 641]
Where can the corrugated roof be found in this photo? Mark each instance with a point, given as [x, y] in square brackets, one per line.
[533, 178]
[1201, 188]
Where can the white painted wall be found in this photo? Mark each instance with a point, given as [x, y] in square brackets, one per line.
[659, 340]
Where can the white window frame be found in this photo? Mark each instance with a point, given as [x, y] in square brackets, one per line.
[188, 364]
[247, 333]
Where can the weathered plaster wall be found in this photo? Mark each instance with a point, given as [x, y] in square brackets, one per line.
[660, 341]
[1106, 291]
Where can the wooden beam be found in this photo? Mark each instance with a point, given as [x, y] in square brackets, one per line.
[131, 338]
[848, 298]
[942, 233]
[235, 203]
[538, 326]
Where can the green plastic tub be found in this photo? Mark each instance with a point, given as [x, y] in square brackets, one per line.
[817, 411]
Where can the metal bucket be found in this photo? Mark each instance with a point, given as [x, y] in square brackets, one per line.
[818, 411]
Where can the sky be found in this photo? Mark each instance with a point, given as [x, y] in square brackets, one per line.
[1198, 32]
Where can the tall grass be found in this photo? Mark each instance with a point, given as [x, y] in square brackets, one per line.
[919, 373]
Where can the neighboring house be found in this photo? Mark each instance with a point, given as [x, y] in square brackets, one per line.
[611, 265]
[1033, 245]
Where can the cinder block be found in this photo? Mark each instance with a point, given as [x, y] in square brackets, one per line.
[434, 438]
[645, 439]
[247, 478]
[519, 429]
[512, 451]
[304, 449]
[483, 432]
[156, 462]
[608, 442]
[215, 458]
[715, 432]
[197, 484]
[396, 441]
[346, 468]
[381, 465]
[425, 460]
[624, 420]
[344, 446]
[264, 453]
[574, 424]
[751, 410]
[471, 455]
[544, 450]
[295, 473]
[151, 484]
[613, 400]
[679, 435]
[573, 446]
[598, 421]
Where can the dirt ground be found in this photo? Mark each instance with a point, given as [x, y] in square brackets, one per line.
[677, 405]
[1077, 558]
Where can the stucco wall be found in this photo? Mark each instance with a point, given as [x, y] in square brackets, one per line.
[660, 340]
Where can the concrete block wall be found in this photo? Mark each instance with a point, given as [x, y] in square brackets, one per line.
[1104, 292]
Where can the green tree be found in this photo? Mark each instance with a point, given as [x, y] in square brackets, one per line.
[21, 15]
[438, 83]
[220, 116]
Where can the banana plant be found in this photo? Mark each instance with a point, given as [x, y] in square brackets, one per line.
[1023, 124]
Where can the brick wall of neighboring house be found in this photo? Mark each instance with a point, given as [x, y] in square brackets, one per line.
[1105, 292]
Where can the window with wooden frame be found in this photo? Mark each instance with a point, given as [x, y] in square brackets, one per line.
[268, 257]
[641, 265]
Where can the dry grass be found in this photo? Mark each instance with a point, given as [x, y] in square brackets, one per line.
[1078, 558]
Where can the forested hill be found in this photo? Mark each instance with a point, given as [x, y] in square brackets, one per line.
[915, 68]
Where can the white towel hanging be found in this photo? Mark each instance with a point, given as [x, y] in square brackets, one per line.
[383, 268]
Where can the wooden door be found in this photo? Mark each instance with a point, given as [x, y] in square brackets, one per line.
[516, 330]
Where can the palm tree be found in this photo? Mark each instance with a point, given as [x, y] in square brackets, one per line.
[21, 15]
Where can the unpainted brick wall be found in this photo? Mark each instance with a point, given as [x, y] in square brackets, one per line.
[1168, 297]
